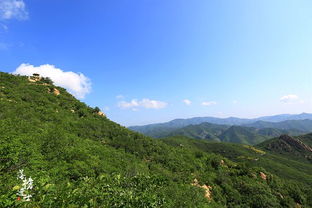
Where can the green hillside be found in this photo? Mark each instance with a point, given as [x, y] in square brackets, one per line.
[202, 131]
[286, 166]
[77, 157]
[299, 148]
[242, 135]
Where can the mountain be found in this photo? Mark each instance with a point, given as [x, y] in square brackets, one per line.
[201, 131]
[297, 126]
[163, 129]
[56, 151]
[299, 148]
[271, 132]
[242, 135]
[153, 129]
[223, 133]
[285, 117]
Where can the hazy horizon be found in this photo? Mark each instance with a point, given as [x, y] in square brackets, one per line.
[220, 118]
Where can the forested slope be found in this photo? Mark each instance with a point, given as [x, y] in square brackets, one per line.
[78, 158]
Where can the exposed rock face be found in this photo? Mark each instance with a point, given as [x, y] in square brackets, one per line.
[56, 91]
[263, 175]
[101, 114]
[205, 187]
[295, 143]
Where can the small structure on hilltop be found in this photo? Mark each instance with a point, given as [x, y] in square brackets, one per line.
[35, 77]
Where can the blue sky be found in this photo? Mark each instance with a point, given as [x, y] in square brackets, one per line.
[146, 61]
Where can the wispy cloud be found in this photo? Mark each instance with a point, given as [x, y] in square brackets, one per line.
[13, 9]
[76, 83]
[187, 102]
[134, 104]
[120, 97]
[209, 103]
[291, 99]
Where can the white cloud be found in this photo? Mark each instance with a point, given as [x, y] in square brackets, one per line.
[134, 104]
[235, 102]
[289, 99]
[187, 102]
[209, 103]
[76, 83]
[13, 9]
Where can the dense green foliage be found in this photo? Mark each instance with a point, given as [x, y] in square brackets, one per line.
[243, 135]
[287, 166]
[78, 158]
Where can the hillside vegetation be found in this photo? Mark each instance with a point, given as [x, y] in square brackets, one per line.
[288, 165]
[298, 148]
[70, 155]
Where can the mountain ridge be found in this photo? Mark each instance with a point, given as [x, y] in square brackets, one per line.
[252, 133]
[229, 120]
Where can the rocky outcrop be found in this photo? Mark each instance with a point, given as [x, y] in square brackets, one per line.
[100, 113]
[205, 187]
[56, 92]
[290, 142]
[263, 175]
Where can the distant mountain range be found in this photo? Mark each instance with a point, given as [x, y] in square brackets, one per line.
[178, 123]
[234, 134]
[301, 125]
[237, 130]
